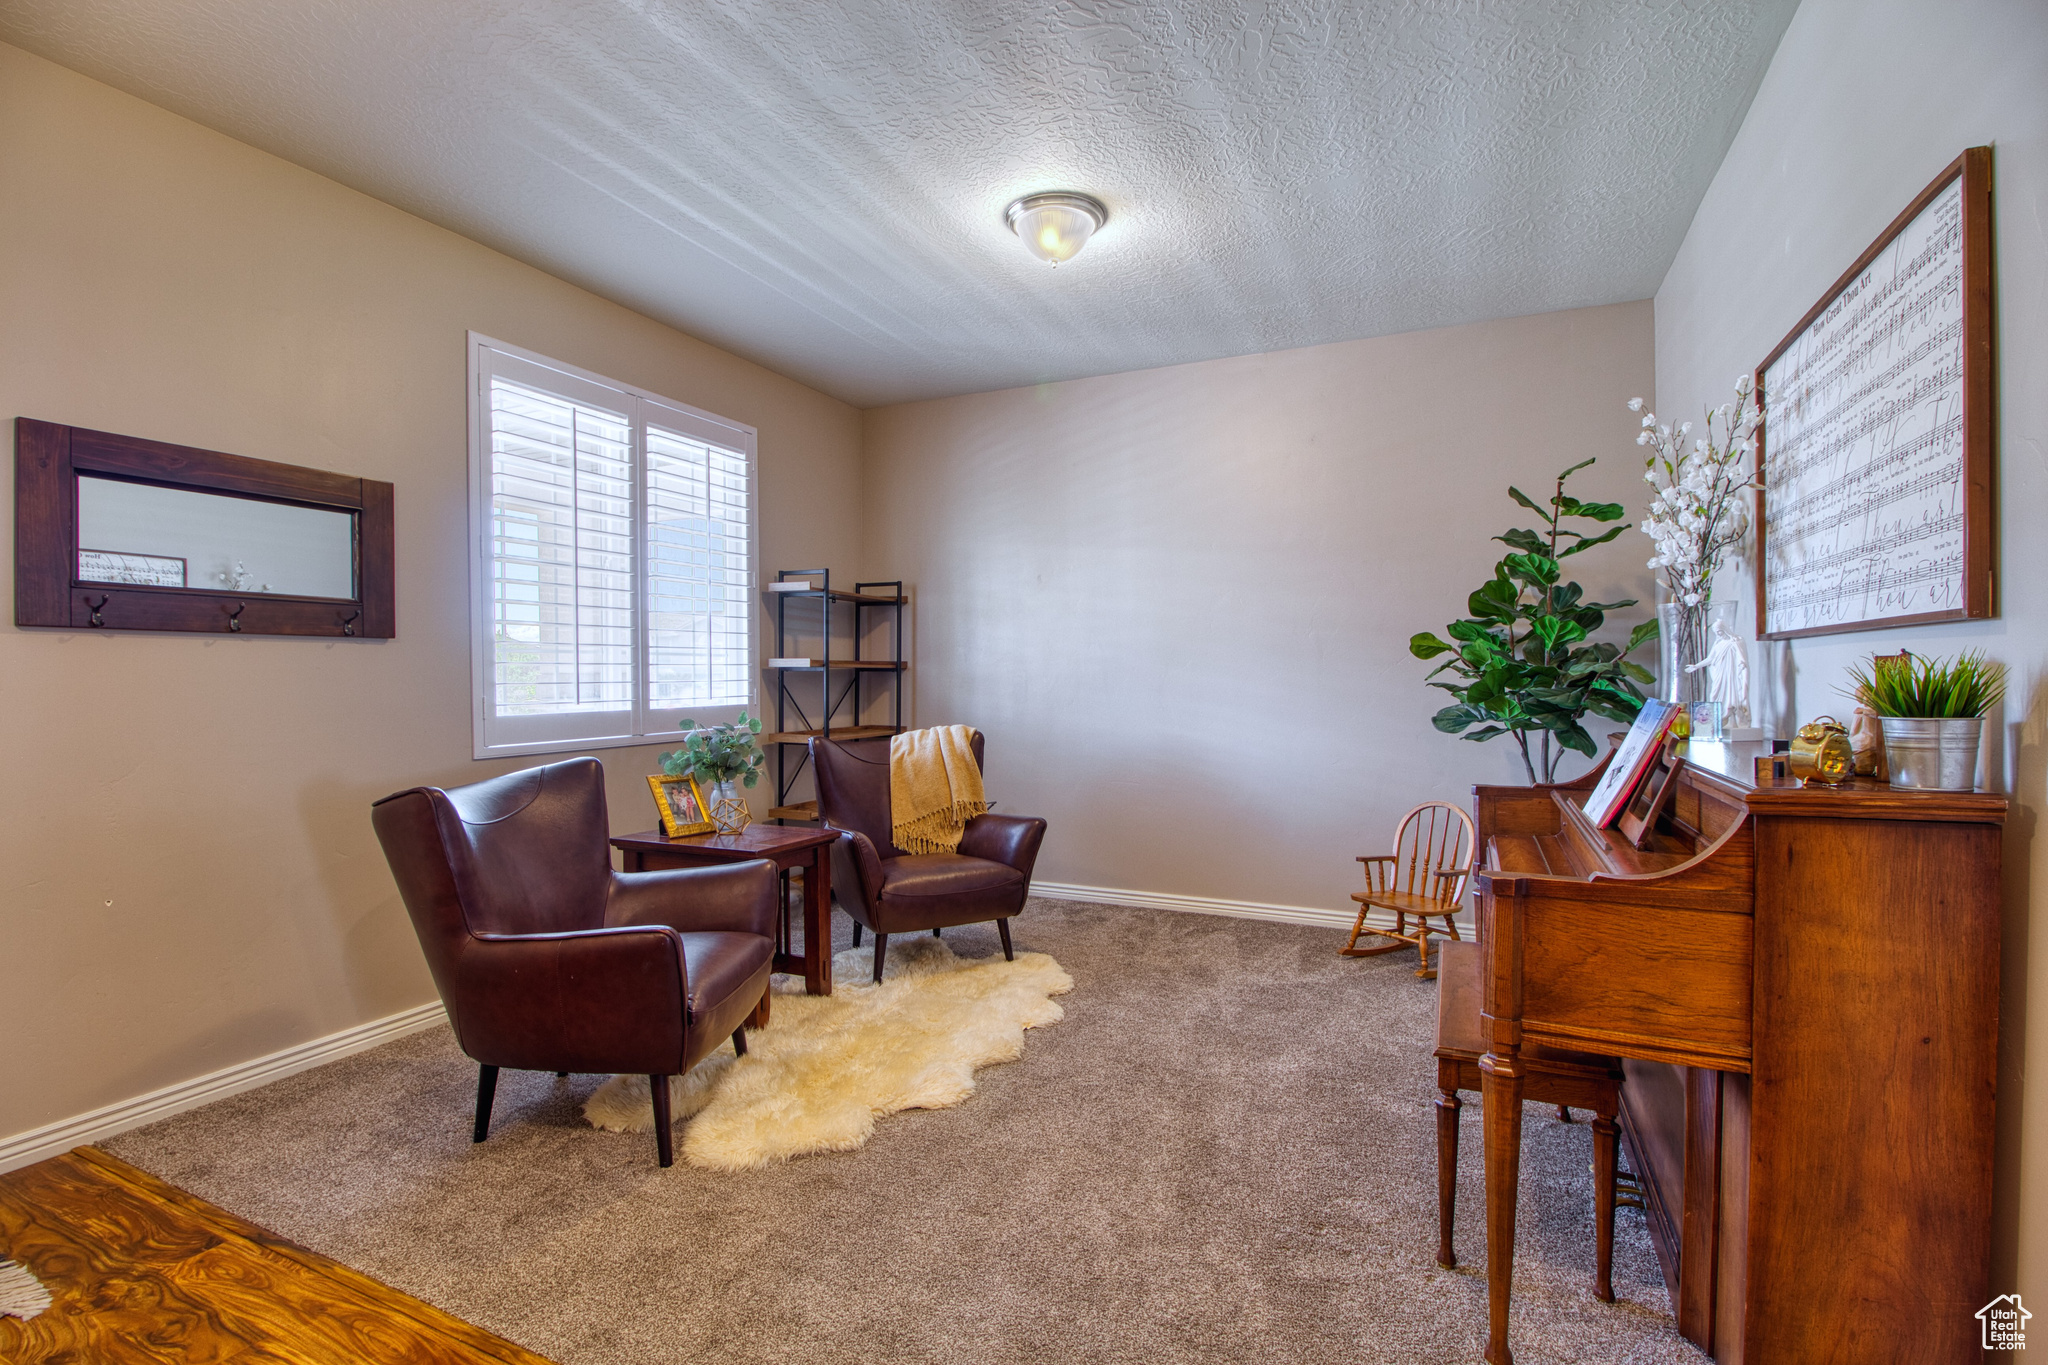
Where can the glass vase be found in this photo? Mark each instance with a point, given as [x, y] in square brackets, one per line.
[1685, 636]
[729, 813]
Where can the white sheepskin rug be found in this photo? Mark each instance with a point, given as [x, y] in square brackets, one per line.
[22, 1294]
[827, 1066]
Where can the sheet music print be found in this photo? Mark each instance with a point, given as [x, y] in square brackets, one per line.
[1863, 440]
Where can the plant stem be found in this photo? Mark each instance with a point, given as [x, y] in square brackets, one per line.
[1522, 738]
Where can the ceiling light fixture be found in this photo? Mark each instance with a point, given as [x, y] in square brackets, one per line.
[1054, 227]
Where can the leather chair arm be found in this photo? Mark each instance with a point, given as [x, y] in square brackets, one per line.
[607, 999]
[1008, 839]
[856, 871]
[738, 898]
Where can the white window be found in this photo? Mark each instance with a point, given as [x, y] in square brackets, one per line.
[612, 559]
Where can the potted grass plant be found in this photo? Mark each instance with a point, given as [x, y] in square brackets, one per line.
[1932, 712]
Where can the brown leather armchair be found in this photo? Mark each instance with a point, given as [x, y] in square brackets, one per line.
[547, 959]
[891, 891]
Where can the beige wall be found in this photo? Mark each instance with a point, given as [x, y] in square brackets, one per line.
[1179, 600]
[1865, 101]
[187, 873]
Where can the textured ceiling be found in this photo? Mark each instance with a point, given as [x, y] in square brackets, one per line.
[820, 186]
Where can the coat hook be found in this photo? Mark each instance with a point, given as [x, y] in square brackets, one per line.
[96, 619]
[235, 616]
[348, 623]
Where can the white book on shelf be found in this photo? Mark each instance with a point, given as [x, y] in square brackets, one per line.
[792, 663]
[794, 585]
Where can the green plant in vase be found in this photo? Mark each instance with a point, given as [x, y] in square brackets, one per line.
[1521, 663]
[720, 755]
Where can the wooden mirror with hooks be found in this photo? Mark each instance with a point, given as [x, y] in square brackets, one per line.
[182, 527]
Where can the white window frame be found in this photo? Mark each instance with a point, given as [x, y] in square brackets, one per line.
[641, 724]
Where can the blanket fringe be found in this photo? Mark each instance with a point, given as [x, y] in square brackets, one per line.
[937, 831]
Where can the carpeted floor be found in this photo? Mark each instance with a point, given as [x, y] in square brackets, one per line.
[1222, 1154]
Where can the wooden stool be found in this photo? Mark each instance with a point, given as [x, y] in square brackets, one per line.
[1566, 1079]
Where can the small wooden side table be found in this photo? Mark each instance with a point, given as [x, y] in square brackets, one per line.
[809, 851]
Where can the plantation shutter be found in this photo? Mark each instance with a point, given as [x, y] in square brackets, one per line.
[615, 561]
[699, 612]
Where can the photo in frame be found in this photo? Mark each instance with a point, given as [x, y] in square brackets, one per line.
[681, 806]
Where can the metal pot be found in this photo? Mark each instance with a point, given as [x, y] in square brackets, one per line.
[1934, 755]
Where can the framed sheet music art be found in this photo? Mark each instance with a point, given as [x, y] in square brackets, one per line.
[1875, 459]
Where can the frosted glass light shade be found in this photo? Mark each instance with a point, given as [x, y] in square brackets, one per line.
[1054, 227]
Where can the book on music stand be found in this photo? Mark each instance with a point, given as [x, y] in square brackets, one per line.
[1637, 752]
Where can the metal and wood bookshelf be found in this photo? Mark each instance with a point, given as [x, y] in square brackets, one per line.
[851, 694]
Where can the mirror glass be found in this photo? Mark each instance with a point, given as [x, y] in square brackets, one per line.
[140, 533]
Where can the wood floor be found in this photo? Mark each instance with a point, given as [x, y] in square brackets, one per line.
[139, 1270]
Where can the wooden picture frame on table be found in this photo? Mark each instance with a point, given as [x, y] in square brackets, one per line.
[681, 806]
[1876, 454]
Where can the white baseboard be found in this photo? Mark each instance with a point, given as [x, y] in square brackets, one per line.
[37, 1144]
[1211, 905]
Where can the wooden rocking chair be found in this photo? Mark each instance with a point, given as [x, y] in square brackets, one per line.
[1423, 879]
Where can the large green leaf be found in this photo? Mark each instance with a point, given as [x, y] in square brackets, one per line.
[1539, 570]
[1523, 498]
[1519, 539]
[1452, 719]
[1646, 631]
[1593, 511]
[1424, 644]
[1588, 542]
[1557, 630]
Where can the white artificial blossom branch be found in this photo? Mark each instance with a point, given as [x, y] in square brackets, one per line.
[1697, 512]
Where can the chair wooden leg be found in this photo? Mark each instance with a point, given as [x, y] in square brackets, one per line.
[664, 1135]
[1351, 948]
[1447, 1106]
[1606, 1132]
[739, 1040]
[1003, 928]
[1423, 969]
[881, 951]
[856, 935]
[1564, 1113]
[486, 1091]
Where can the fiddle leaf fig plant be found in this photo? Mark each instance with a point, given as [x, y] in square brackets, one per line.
[1521, 664]
[717, 753]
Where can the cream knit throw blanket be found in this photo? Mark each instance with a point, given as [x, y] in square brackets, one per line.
[934, 788]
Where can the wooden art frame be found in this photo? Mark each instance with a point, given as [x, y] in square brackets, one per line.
[48, 460]
[1882, 316]
[676, 798]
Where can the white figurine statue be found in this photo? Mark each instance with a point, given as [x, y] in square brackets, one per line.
[1727, 665]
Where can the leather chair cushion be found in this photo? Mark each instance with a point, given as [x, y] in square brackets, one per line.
[943, 874]
[933, 890]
